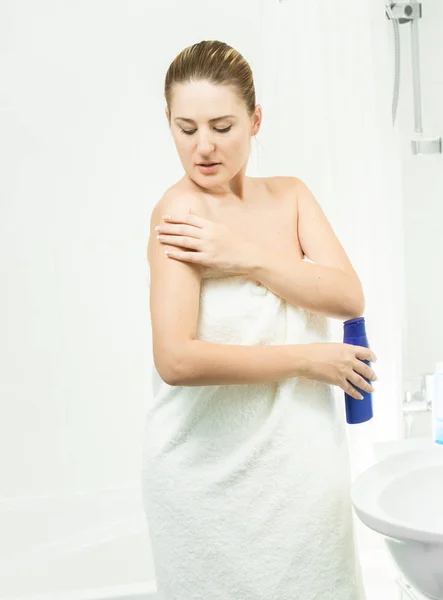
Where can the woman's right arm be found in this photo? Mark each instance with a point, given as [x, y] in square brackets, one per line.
[182, 359]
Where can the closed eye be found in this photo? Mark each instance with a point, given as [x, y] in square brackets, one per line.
[191, 131]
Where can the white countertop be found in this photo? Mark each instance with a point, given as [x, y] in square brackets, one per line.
[384, 449]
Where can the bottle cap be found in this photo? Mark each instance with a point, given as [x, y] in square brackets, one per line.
[354, 328]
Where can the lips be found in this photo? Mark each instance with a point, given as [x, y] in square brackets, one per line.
[208, 169]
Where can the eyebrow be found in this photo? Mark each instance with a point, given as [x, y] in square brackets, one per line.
[210, 120]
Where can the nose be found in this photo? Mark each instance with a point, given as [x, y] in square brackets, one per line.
[205, 145]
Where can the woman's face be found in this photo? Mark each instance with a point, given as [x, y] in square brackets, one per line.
[209, 123]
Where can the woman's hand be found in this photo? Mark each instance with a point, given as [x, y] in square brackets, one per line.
[210, 244]
[341, 365]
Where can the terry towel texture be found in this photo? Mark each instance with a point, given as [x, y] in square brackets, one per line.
[246, 487]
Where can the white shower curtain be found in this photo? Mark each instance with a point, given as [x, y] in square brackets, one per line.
[326, 88]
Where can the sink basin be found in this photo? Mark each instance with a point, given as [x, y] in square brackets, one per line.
[401, 497]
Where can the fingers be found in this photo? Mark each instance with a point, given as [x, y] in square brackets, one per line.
[349, 389]
[363, 353]
[180, 241]
[360, 383]
[187, 230]
[365, 370]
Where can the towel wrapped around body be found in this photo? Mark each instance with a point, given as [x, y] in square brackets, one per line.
[246, 488]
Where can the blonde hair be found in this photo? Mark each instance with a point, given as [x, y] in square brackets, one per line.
[216, 62]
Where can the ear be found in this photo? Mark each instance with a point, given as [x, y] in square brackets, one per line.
[167, 114]
[257, 119]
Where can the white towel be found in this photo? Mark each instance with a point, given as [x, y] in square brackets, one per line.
[246, 487]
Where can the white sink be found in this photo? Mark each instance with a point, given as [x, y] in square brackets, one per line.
[401, 497]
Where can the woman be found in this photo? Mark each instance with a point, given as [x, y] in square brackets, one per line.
[245, 472]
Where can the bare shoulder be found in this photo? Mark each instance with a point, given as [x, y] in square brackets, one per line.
[286, 188]
[295, 189]
[282, 183]
[177, 201]
[180, 199]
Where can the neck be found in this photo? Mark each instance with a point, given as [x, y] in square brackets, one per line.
[237, 188]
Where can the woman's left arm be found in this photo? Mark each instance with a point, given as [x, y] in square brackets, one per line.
[329, 285]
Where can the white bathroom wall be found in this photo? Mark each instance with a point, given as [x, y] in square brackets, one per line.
[423, 196]
[86, 153]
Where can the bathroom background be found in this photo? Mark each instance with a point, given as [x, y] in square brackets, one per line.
[86, 153]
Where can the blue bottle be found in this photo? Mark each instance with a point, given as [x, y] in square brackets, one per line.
[357, 411]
